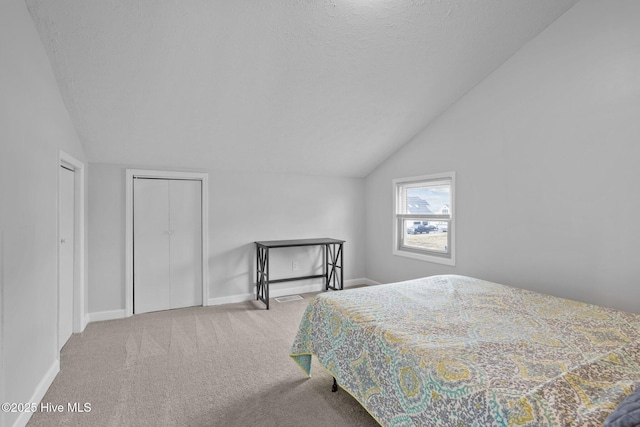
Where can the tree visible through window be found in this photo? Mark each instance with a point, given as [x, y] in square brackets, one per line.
[423, 220]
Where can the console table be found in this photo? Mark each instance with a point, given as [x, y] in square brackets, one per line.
[332, 270]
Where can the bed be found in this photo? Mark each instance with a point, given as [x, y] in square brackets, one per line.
[453, 350]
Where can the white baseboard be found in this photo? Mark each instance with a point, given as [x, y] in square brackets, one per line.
[370, 282]
[39, 393]
[106, 315]
[274, 293]
[85, 321]
[355, 282]
[231, 299]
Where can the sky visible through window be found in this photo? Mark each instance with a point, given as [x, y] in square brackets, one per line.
[437, 196]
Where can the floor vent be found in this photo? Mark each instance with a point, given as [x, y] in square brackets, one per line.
[289, 298]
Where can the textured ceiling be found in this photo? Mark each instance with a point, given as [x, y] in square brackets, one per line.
[313, 87]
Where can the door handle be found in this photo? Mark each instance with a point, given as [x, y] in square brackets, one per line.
[63, 240]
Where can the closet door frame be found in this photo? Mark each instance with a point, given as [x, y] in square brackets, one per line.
[80, 318]
[132, 174]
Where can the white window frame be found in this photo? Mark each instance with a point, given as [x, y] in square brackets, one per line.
[399, 218]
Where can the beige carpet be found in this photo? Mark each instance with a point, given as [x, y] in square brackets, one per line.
[203, 366]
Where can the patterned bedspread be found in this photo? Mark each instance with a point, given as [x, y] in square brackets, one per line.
[453, 350]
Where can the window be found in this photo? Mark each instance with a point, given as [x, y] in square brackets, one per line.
[423, 220]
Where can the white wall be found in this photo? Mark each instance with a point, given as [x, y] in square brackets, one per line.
[105, 227]
[546, 152]
[243, 208]
[34, 126]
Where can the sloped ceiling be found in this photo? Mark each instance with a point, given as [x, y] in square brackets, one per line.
[311, 87]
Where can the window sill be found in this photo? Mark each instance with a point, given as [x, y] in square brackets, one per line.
[425, 257]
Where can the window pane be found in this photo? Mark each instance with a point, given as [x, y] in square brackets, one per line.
[426, 235]
[424, 217]
[426, 199]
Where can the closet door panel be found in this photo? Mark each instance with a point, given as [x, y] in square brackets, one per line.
[151, 262]
[185, 218]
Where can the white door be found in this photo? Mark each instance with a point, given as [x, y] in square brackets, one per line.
[185, 248]
[66, 254]
[167, 241]
[151, 245]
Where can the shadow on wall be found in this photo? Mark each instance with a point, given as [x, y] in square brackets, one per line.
[231, 272]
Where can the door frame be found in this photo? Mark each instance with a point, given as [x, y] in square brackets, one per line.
[131, 174]
[79, 259]
[2, 311]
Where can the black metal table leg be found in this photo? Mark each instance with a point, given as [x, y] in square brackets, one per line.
[341, 269]
[266, 285]
[258, 273]
[262, 275]
[325, 267]
[334, 259]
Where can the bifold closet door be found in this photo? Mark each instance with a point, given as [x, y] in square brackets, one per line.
[185, 248]
[167, 243]
[151, 262]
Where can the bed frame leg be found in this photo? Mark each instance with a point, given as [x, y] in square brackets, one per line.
[334, 387]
